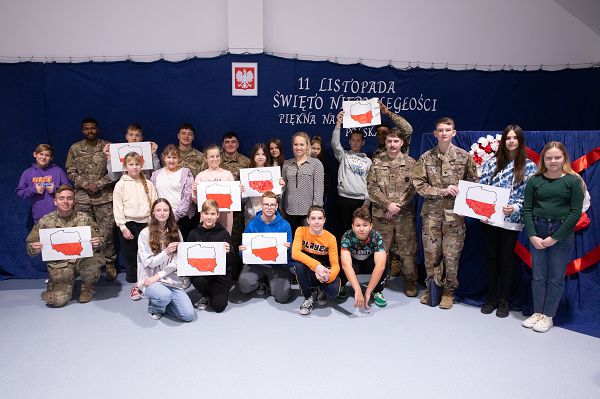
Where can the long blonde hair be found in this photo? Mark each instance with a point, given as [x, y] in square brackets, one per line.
[566, 165]
[138, 158]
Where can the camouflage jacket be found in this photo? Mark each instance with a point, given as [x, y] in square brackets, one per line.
[436, 171]
[87, 164]
[193, 160]
[234, 163]
[52, 221]
[390, 180]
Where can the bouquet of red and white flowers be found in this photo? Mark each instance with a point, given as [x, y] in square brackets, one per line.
[484, 149]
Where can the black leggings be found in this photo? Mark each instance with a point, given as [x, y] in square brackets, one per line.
[499, 261]
[130, 248]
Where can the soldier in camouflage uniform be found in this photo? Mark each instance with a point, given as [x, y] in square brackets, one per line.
[189, 157]
[382, 130]
[233, 161]
[436, 177]
[86, 168]
[391, 191]
[64, 272]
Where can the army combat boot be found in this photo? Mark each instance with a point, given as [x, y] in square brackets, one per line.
[111, 272]
[425, 297]
[447, 298]
[410, 288]
[87, 292]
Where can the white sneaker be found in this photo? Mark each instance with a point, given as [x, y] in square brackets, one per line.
[306, 307]
[543, 324]
[530, 322]
[321, 298]
[155, 316]
[202, 304]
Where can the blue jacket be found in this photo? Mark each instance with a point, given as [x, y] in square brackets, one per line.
[278, 225]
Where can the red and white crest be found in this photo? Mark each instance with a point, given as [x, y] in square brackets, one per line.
[244, 78]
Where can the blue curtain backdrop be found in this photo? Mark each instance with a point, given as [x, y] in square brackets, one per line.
[579, 306]
[46, 102]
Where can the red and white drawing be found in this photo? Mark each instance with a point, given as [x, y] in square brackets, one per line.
[244, 78]
[481, 201]
[226, 193]
[361, 113]
[264, 248]
[258, 180]
[66, 243]
[201, 258]
[118, 151]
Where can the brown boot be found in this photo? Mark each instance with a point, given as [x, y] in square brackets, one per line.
[111, 272]
[425, 297]
[410, 288]
[447, 299]
[87, 292]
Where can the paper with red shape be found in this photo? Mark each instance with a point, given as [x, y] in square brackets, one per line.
[226, 193]
[66, 243]
[201, 258]
[361, 113]
[118, 151]
[258, 180]
[481, 201]
[264, 248]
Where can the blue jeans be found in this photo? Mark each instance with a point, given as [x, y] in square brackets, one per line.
[308, 279]
[548, 267]
[170, 300]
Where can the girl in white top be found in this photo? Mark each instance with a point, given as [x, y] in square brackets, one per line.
[157, 266]
[212, 153]
[132, 200]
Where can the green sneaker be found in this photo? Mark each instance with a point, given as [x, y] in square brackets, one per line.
[342, 294]
[379, 299]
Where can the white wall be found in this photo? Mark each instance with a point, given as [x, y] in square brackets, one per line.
[457, 32]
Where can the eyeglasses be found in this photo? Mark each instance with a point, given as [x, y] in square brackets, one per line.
[270, 205]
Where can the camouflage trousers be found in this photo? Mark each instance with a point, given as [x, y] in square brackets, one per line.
[400, 239]
[103, 216]
[63, 275]
[443, 241]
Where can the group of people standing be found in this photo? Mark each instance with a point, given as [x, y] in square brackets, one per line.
[376, 198]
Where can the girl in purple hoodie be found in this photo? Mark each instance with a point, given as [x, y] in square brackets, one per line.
[38, 183]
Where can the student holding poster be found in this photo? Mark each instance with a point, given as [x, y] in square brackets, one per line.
[552, 207]
[157, 266]
[133, 134]
[258, 159]
[64, 272]
[510, 169]
[316, 260]
[214, 290]
[212, 154]
[436, 177]
[278, 277]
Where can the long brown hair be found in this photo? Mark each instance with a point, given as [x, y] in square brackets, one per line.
[260, 146]
[281, 158]
[158, 240]
[503, 157]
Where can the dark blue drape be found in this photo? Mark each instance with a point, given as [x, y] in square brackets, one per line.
[579, 309]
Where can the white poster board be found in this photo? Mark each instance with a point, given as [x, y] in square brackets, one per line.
[481, 201]
[264, 248]
[258, 180]
[226, 193]
[119, 150]
[361, 113]
[201, 259]
[66, 243]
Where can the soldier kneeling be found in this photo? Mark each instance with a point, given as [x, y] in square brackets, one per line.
[63, 272]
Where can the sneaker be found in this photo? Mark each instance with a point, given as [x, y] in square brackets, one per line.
[202, 304]
[532, 320]
[155, 316]
[343, 293]
[46, 281]
[321, 298]
[489, 306]
[379, 299]
[503, 309]
[262, 289]
[543, 324]
[306, 307]
[135, 294]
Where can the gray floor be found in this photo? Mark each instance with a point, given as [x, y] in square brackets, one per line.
[110, 348]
